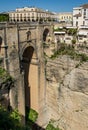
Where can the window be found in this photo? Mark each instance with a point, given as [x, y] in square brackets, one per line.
[76, 23]
[84, 16]
[17, 15]
[85, 36]
[28, 35]
[80, 38]
[24, 17]
[32, 14]
[28, 14]
[20, 15]
[83, 22]
[13, 15]
[84, 13]
[68, 38]
[10, 15]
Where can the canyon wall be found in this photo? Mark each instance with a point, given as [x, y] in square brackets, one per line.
[67, 93]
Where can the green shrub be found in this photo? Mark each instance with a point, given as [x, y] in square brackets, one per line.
[51, 127]
[32, 115]
[73, 41]
[4, 17]
[83, 57]
[72, 31]
[7, 121]
[16, 116]
[11, 120]
[4, 75]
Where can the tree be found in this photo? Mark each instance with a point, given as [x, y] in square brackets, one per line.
[73, 41]
[72, 31]
[4, 17]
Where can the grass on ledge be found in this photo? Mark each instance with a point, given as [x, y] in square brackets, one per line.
[67, 50]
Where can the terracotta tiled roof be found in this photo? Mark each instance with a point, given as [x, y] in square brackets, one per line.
[77, 15]
[84, 6]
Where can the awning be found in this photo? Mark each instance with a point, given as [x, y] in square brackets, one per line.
[83, 33]
[59, 32]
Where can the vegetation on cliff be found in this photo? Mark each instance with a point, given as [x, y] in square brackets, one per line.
[69, 50]
[9, 120]
[51, 127]
[12, 120]
[6, 81]
[4, 76]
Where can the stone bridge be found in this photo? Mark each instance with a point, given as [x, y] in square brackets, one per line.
[21, 45]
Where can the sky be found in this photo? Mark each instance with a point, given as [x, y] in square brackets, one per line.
[51, 5]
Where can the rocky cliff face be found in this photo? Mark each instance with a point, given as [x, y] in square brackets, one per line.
[6, 83]
[67, 93]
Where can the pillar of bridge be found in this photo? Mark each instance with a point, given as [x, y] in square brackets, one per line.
[17, 92]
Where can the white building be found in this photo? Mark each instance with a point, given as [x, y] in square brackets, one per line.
[63, 19]
[59, 36]
[31, 14]
[80, 15]
[64, 16]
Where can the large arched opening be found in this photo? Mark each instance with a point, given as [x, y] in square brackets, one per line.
[30, 67]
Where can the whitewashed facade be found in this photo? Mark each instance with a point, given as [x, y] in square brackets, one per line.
[31, 14]
[80, 15]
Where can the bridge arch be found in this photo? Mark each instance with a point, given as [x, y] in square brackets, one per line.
[30, 68]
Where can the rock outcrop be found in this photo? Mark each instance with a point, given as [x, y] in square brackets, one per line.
[67, 93]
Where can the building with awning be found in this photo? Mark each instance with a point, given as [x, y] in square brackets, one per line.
[83, 36]
[59, 36]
